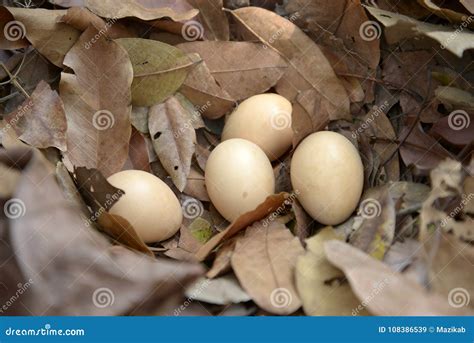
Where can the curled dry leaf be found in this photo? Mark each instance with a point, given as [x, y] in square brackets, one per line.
[83, 258]
[308, 68]
[323, 289]
[50, 37]
[271, 204]
[141, 10]
[383, 291]
[97, 103]
[264, 261]
[41, 121]
[242, 69]
[174, 139]
[159, 69]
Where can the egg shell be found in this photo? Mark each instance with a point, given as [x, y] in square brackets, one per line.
[148, 204]
[328, 176]
[265, 120]
[238, 177]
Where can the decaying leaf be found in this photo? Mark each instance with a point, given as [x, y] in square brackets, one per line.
[97, 103]
[323, 289]
[264, 261]
[174, 139]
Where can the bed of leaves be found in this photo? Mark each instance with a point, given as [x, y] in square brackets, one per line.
[92, 87]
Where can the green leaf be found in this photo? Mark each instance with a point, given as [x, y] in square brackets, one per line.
[159, 69]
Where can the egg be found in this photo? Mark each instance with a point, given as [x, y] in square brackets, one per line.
[148, 204]
[265, 120]
[238, 177]
[328, 176]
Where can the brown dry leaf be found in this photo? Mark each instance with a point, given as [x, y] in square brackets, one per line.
[221, 291]
[43, 29]
[213, 19]
[446, 13]
[271, 204]
[377, 229]
[145, 10]
[88, 266]
[385, 292]
[303, 222]
[195, 186]
[97, 101]
[242, 69]
[457, 135]
[322, 287]
[308, 67]
[469, 4]
[139, 151]
[81, 18]
[221, 263]
[174, 139]
[264, 261]
[14, 34]
[201, 89]
[41, 121]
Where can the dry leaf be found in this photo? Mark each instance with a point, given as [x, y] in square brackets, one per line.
[271, 204]
[41, 121]
[308, 67]
[242, 69]
[14, 36]
[323, 288]
[221, 291]
[264, 261]
[97, 103]
[221, 263]
[174, 139]
[159, 69]
[213, 19]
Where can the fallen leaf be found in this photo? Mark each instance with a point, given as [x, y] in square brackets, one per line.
[213, 19]
[323, 289]
[307, 66]
[174, 139]
[196, 186]
[221, 263]
[264, 261]
[41, 121]
[140, 10]
[159, 69]
[97, 103]
[14, 33]
[446, 13]
[271, 204]
[242, 69]
[220, 291]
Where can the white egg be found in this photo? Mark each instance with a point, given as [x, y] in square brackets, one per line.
[265, 120]
[328, 176]
[238, 177]
[149, 205]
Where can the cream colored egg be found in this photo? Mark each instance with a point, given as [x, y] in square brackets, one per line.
[264, 119]
[328, 176]
[239, 177]
[148, 204]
